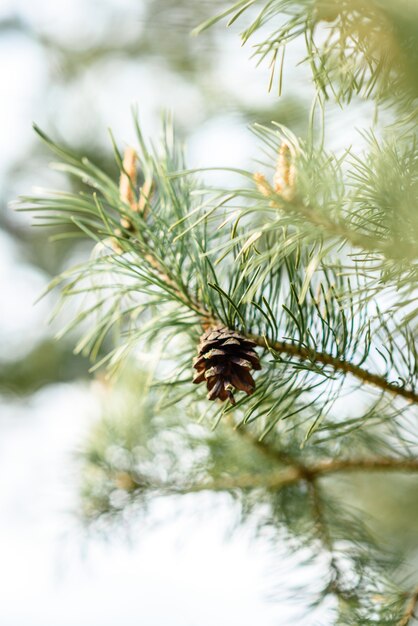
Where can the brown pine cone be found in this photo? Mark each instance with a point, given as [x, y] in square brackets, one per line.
[224, 361]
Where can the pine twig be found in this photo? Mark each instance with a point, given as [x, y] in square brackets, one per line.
[127, 183]
[345, 367]
[409, 613]
[372, 464]
[292, 349]
[288, 193]
[326, 466]
[295, 473]
[273, 481]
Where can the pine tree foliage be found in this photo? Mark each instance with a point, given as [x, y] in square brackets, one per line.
[314, 259]
[353, 47]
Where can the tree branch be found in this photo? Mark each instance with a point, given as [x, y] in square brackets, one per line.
[373, 464]
[296, 473]
[208, 318]
[275, 480]
[327, 466]
[337, 364]
[409, 613]
[291, 349]
[285, 199]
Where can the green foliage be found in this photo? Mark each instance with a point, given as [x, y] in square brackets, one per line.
[364, 202]
[352, 47]
[314, 258]
[140, 451]
[183, 262]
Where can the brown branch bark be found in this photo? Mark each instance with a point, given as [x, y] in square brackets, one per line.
[372, 464]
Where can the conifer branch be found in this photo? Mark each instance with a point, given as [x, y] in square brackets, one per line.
[337, 364]
[275, 480]
[138, 237]
[309, 214]
[291, 349]
[127, 183]
[410, 609]
[285, 198]
[284, 347]
[295, 473]
[372, 464]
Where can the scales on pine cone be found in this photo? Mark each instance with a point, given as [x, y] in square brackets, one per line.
[224, 361]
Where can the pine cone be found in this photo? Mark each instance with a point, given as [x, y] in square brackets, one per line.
[224, 361]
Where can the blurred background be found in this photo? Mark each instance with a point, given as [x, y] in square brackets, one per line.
[76, 67]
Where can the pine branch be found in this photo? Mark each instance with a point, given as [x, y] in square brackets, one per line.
[410, 609]
[325, 466]
[340, 366]
[294, 350]
[305, 354]
[288, 348]
[332, 228]
[275, 489]
[283, 347]
[274, 481]
[127, 184]
[283, 199]
[139, 237]
[363, 205]
[345, 56]
[366, 201]
[372, 464]
[297, 473]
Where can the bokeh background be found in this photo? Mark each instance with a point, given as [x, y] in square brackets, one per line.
[76, 67]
